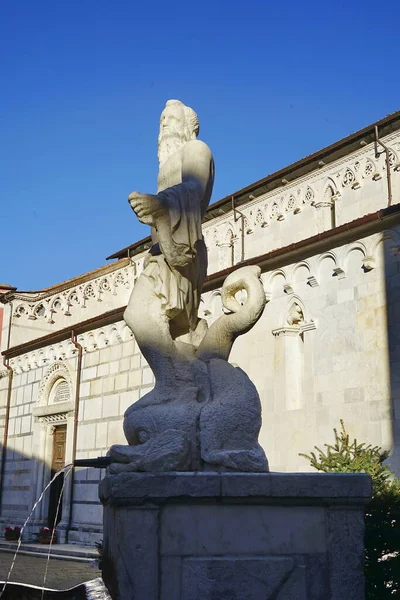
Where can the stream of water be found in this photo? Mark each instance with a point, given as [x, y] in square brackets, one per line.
[67, 470]
[67, 473]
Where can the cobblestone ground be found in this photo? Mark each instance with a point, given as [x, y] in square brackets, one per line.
[62, 574]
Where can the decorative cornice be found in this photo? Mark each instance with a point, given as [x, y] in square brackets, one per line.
[35, 296]
[53, 409]
[43, 353]
[294, 330]
[54, 418]
[272, 206]
[112, 316]
[70, 302]
[363, 226]
[109, 328]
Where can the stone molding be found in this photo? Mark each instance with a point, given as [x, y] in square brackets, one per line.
[294, 330]
[322, 204]
[90, 341]
[290, 330]
[130, 489]
[53, 418]
[47, 306]
[53, 409]
[53, 290]
[343, 176]
[118, 332]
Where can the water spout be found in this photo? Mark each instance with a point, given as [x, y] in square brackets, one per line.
[101, 462]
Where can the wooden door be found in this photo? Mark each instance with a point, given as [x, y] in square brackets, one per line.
[59, 439]
[57, 463]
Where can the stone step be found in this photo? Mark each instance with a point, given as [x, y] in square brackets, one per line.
[68, 551]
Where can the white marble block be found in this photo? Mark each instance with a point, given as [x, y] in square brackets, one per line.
[244, 536]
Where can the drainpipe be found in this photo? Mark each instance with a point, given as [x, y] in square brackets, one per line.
[242, 218]
[7, 415]
[386, 150]
[6, 423]
[75, 430]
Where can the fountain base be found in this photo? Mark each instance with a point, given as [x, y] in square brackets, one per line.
[201, 536]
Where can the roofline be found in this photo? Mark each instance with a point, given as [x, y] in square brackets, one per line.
[365, 225]
[287, 174]
[139, 246]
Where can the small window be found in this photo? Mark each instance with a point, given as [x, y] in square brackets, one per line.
[60, 392]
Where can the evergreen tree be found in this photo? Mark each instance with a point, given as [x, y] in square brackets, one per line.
[382, 515]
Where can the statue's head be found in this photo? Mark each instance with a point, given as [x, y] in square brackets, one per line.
[178, 125]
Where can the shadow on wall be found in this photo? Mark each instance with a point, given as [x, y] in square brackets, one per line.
[391, 250]
[19, 491]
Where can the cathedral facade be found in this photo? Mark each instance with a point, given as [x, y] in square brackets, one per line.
[325, 232]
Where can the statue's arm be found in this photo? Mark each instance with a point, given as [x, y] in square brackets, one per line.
[197, 167]
[147, 207]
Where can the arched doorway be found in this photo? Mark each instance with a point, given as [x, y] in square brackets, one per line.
[52, 448]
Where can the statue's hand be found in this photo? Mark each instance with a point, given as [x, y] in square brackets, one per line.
[146, 207]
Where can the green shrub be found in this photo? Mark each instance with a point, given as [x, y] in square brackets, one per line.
[382, 515]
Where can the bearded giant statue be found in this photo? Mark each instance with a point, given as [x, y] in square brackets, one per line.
[203, 414]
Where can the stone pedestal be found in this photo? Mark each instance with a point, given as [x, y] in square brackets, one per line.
[231, 536]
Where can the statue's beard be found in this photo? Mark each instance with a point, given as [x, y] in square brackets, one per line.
[168, 144]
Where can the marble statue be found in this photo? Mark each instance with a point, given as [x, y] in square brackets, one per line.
[203, 413]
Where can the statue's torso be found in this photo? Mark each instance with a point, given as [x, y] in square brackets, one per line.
[170, 173]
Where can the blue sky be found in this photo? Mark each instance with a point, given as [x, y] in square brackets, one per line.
[83, 83]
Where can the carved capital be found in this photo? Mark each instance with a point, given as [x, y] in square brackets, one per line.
[322, 204]
[339, 272]
[368, 263]
[312, 282]
[287, 288]
[291, 330]
[309, 326]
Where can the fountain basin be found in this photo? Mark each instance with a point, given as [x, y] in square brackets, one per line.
[90, 590]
